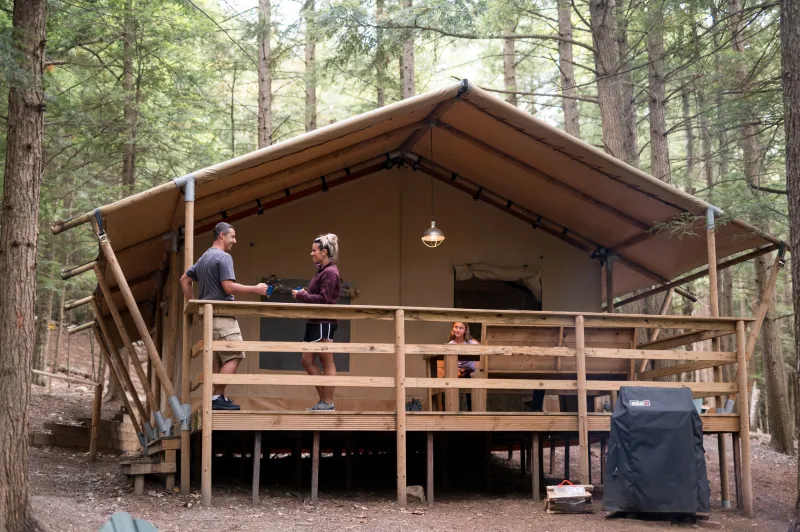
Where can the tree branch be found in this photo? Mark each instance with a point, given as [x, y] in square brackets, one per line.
[519, 93]
[766, 189]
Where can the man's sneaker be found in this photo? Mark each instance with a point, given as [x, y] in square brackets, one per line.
[223, 403]
[321, 406]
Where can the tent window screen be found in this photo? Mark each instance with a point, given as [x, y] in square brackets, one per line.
[293, 330]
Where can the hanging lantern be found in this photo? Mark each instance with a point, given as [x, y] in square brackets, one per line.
[432, 236]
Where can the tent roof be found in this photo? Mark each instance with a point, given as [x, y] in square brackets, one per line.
[532, 169]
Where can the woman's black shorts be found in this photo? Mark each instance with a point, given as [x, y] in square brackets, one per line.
[320, 331]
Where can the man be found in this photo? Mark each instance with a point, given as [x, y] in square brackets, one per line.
[214, 273]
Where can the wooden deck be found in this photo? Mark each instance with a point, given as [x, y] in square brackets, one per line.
[252, 420]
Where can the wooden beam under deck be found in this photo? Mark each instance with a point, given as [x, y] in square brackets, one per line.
[244, 420]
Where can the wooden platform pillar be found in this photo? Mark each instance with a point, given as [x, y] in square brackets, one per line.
[566, 458]
[348, 462]
[315, 468]
[186, 341]
[583, 430]
[523, 454]
[744, 421]
[208, 390]
[297, 457]
[400, 403]
[536, 466]
[256, 466]
[451, 395]
[117, 381]
[429, 486]
[737, 468]
[602, 461]
[713, 297]
[96, 404]
[552, 457]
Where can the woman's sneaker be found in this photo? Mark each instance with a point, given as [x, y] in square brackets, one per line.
[223, 403]
[322, 406]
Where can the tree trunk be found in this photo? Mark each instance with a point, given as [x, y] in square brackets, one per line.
[311, 75]
[659, 146]
[264, 74]
[604, 30]
[19, 231]
[129, 99]
[232, 110]
[625, 80]
[510, 64]
[407, 61]
[566, 68]
[380, 55]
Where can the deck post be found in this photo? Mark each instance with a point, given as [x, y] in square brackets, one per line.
[256, 466]
[112, 372]
[609, 283]
[602, 460]
[400, 403]
[141, 327]
[121, 370]
[744, 421]
[737, 468]
[536, 465]
[552, 456]
[566, 457]
[186, 340]
[315, 468]
[713, 297]
[452, 396]
[96, 404]
[583, 430]
[297, 457]
[208, 390]
[523, 455]
[348, 461]
[429, 491]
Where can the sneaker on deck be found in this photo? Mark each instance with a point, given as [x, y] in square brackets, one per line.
[223, 403]
[322, 407]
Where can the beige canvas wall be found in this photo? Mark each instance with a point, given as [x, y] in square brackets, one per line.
[379, 220]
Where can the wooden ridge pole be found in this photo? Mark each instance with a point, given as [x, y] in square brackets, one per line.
[713, 288]
[126, 339]
[583, 430]
[112, 372]
[138, 320]
[744, 421]
[400, 403]
[186, 337]
[122, 371]
[208, 390]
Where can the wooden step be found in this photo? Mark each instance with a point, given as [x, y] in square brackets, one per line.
[148, 468]
[163, 444]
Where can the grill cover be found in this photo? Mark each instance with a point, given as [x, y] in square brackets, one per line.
[656, 461]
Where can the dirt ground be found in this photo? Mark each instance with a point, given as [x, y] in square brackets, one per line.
[71, 494]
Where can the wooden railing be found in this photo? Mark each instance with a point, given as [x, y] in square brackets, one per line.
[701, 326]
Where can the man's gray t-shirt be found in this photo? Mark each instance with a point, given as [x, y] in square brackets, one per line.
[209, 271]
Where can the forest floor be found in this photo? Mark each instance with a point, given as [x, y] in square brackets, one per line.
[69, 493]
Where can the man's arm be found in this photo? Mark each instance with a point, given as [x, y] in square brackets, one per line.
[186, 285]
[234, 289]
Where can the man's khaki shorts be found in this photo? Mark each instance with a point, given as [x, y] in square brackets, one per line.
[226, 328]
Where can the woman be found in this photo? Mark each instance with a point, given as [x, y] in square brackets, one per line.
[324, 289]
[459, 334]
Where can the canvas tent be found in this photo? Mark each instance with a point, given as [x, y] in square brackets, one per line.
[482, 145]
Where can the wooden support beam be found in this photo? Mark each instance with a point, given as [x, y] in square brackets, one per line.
[763, 305]
[315, 468]
[115, 379]
[126, 339]
[80, 328]
[208, 390]
[400, 404]
[536, 466]
[69, 273]
[678, 369]
[609, 283]
[348, 462]
[683, 339]
[665, 306]
[96, 404]
[186, 342]
[583, 430]
[256, 466]
[429, 492]
[429, 121]
[451, 396]
[118, 363]
[133, 308]
[302, 380]
[744, 422]
[63, 377]
[75, 303]
[697, 275]
[737, 468]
